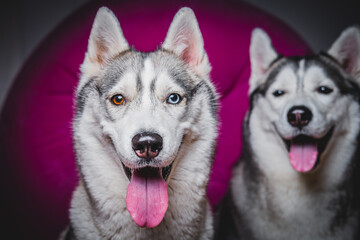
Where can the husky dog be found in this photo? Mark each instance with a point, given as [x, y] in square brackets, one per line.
[298, 175]
[145, 132]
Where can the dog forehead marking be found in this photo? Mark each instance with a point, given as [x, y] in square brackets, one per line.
[147, 77]
[148, 72]
[301, 73]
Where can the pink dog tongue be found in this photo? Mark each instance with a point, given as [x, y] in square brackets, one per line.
[303, 156]
[147, 197]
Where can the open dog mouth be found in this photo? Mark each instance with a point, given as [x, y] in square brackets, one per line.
[147, 195]
[145, 171]
[305, 151]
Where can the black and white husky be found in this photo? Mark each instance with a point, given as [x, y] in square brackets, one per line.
[298, 176]
[144, 133]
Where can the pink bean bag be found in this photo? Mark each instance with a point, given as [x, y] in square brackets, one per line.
[37, 165]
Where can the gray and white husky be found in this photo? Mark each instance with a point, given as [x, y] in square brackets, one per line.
[144, 133]
[299, 173]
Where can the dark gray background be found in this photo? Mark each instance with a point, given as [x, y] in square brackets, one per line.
[24, 23]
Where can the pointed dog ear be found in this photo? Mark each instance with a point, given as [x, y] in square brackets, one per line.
[346, 49]
[105, 42]
[185, 40]
[261, 55]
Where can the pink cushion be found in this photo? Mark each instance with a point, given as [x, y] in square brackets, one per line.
[37, 166]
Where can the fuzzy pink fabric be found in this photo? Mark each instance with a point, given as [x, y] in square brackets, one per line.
[37, 165]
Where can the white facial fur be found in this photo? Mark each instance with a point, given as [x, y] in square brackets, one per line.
[303, 91]
[146, 111]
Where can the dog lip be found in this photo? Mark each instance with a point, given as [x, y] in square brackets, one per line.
[127, 171]
[306, 137]
[165, 171]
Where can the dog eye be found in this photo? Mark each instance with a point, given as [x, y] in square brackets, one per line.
[324, 90]
[118, 99]
[278, 93]
[174, 98]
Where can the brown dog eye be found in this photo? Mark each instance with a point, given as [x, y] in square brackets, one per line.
[118, 99]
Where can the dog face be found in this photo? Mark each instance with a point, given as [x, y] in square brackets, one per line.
[146, 98]
[305, 99]
[147, 112]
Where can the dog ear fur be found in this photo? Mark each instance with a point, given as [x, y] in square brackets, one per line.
[346, 50]
[262, 54]
[105, 42]
[184, 39]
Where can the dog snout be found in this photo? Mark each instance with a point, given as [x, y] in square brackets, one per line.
[147, 145]
[299, 116]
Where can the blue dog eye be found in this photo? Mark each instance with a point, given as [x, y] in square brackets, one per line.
[174, 98]
[278, 93]
[324, 90]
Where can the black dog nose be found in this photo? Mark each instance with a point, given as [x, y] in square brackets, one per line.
[299, 116]
[147, 145]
